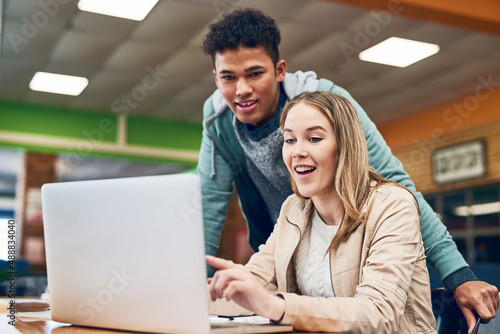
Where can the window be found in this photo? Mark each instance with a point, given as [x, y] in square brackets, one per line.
[452, 219]
[472, 216]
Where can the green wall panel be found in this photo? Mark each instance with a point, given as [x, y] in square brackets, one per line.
[159, 133]
[75, 156]
[94, 128]
[58, 122]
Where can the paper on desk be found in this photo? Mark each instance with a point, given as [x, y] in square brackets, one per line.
[22, 300]
[25, 300]
[34, 316]
[254, 319]
[6, 303]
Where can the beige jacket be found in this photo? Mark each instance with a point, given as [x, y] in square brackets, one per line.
[379, 274]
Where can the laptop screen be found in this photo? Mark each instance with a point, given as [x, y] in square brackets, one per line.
[127, 253]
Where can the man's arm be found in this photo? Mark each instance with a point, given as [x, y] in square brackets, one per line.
[216, 189]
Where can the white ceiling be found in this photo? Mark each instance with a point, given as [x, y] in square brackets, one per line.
[117, 54]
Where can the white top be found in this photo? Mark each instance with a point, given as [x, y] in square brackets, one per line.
[311, 264]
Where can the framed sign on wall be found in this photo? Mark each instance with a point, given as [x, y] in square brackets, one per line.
[459, 162]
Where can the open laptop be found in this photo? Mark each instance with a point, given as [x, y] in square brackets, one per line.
[128, 254]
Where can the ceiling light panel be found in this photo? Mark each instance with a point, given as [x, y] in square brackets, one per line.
[398, 52]
[135, 10]
[58, 83]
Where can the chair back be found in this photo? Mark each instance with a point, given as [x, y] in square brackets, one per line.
[449, 318]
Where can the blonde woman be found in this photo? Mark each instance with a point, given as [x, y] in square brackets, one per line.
[346, 254]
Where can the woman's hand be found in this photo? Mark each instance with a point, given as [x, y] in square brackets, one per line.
[235, 282]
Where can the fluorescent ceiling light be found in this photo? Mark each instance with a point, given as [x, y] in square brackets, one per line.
[398, 52]
[477, 209]
[58, 83]
[127, 9]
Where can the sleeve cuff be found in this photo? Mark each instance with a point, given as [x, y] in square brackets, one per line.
[277, 322]
[452, 281]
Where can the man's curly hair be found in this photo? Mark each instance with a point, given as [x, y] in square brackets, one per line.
[243, 28]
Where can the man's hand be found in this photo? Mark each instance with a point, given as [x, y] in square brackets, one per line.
[477, 296]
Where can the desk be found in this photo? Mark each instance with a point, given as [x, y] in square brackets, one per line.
[52, 327]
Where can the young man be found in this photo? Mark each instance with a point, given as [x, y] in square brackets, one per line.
[242, 144]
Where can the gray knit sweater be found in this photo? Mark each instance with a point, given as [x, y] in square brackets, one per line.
[262, 147]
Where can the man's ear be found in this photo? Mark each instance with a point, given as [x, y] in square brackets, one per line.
[280, 70]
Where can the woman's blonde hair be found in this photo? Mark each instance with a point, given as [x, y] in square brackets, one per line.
[353, 177]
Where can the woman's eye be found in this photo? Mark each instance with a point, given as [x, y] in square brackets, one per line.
[289, 141]
[315, 139]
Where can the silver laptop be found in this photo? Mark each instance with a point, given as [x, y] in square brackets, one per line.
[128, 254]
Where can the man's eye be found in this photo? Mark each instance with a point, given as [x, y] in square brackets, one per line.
[255, 74]
[227, 77]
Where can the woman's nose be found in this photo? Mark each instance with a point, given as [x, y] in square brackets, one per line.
[299, 153]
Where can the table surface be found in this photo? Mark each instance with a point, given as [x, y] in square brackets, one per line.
[52, 327]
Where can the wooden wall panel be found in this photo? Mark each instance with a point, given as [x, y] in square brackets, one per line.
[416, 157]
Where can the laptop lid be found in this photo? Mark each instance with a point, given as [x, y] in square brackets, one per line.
[127, 253]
